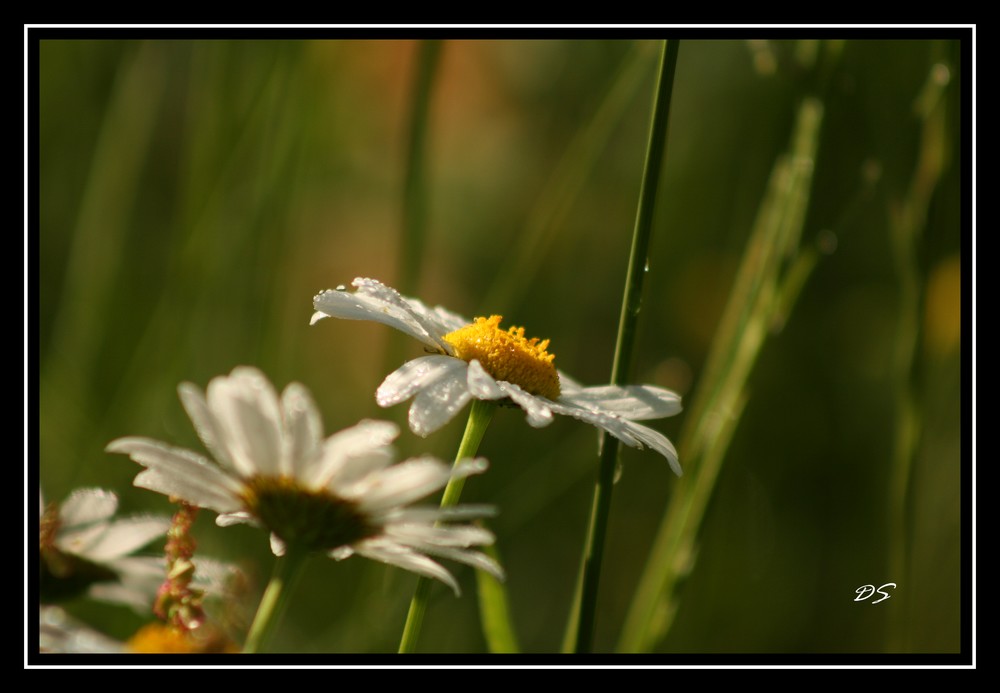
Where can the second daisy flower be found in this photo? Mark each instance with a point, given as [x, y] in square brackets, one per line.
[480, 360]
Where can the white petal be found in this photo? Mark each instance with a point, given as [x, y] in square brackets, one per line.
[418, 535]
[382, 305]
[205, 423]
[401, 556]
[657, 441]
[139, 577]
[87, 505]
[181, 473]
[568, 384]
[438, 402]
[125, 536]
[355, 468]
[476, 559]
[249, 417]
[277, 546]
[77, 540]
[469, 466]
[400, 484]
[352, 452]
[416, 310]
[384, 492]
[240, 517]
[413, 376]
[635, 402]
[443, 320]
[538, 409]
[481, 384]
[188, 490]
[629, 432]
[429, 515]
[303, 431]
[341, 552]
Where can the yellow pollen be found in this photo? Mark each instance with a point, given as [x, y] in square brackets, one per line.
[507, 355]
[160, 638]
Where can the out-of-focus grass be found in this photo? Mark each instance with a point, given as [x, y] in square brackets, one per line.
[197, 194]
[769, 279]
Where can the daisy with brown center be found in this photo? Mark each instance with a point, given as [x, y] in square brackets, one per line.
[85, 549]
[338, 496]
[479, 360]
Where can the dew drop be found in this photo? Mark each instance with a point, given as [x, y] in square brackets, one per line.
[619, 468]
[827, 241]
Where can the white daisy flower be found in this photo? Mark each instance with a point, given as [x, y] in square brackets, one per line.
[340, 496]
[83, 549]
[482, 361]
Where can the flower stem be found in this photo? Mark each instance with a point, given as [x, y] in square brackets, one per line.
[655, 153]
[479, 420]
[287, 570]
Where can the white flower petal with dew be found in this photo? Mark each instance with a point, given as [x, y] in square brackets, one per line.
[441, 384]
[341, 495]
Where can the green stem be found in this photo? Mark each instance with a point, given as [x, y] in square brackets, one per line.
[287, 570]
[655, 153]
[479, 420]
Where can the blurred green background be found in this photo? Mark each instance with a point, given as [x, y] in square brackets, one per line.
[195, 195]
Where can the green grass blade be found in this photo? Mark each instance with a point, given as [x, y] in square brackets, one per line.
[761, 291]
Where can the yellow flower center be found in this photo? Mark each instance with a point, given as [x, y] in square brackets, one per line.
[507, 355]
[160, 638]
[310, 519]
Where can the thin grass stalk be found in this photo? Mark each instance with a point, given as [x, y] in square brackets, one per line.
[906, 224]
[655, 154]
[480, 415]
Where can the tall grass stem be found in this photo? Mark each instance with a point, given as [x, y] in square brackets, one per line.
[655, 154]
